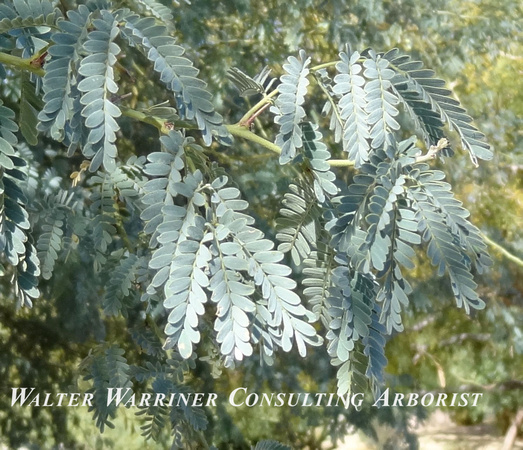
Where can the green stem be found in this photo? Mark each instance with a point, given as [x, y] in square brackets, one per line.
[503, 250]
[235, 130]
[164, 126]
[21, 63]
[331, 101]
[142, 117]
[324, 65]
[266, 99]
[239, 131]
[123, 234]
[149, 320]
[244, 133]
[340, 163]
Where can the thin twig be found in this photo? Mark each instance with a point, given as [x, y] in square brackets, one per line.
[26, 64]
[502, 250]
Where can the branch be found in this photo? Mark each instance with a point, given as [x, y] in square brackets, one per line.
[500, 386]
[503, 250]
[151, 323]
[30, 64]
[324, 66]
[459, 338]
[260, 105]
[425, 322]
[433, 151]
[340, 163]
[164, 126]
[239, 131]
[33, 65]
[267, 98]
[331, 101]
[512, 432]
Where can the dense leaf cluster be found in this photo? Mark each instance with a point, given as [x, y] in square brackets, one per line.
[170, 239]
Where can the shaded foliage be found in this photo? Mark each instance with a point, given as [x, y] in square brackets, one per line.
[173, 242]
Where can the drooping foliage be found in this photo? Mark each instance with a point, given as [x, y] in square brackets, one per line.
[17, 250]
[167, 232]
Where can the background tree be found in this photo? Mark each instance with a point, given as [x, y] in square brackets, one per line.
[85, 177]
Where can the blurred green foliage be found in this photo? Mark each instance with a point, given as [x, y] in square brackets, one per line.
[477, 47]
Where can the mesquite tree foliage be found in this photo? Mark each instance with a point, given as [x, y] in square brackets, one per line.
[169, 233]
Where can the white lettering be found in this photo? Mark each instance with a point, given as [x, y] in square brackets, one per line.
[268, 399]
[428, 395]
[118, 397]
[35, 401]
[441, 399]
[291, 396]
[198, 398]
[359, 402]
[233, 394]
[73, 401]
[413, 399]
[305, 400]
[22, 398]
[144, 401]
[255, 398]
[398, 399]
[61, 396]
[476, 398]
[345, 400]
[211, 400]
[158, 401]
[281, 399]
[131, 401]
[46, 401]
[88, 399]
[383, 398]
[464, 397]
[184, 399]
